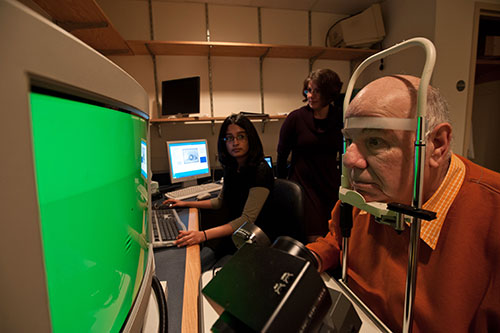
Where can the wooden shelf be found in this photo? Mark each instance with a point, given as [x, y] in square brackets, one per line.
[86, 21]
[229, 49]
[199, 119]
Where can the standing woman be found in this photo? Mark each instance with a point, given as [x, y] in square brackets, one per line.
[313, 135]
[248, 180]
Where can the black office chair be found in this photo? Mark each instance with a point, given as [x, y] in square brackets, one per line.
[286, 211]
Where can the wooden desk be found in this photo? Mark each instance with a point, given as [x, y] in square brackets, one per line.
[191, 280]
[180, 267]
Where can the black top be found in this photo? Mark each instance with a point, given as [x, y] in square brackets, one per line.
[237, 184]
[235, 190]
[316, 147]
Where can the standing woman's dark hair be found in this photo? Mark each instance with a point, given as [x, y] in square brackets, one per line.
[255, 150]
[328, 83]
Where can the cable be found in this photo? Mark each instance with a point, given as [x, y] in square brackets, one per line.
[162, 304]
[329, 29]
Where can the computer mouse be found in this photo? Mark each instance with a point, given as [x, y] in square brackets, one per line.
[203, 196]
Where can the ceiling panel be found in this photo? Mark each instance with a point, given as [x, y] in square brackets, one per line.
[346, 7]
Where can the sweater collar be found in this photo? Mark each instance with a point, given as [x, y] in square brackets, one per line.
[441, 201]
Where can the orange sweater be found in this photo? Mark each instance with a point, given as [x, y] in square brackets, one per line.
[458, 283]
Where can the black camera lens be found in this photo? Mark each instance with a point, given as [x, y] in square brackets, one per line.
[294, 248]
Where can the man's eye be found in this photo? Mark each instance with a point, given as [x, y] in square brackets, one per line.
[348, 141]
[375, 143]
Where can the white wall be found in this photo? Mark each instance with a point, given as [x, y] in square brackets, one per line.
[449, 24]
[236, 81]
[404, 19]
[454, 37]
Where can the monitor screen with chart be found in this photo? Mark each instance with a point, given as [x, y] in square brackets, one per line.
[188, 161]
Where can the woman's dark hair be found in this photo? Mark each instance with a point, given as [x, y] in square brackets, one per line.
[328, 83]
[255, 150]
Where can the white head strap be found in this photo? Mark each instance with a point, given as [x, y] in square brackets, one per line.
[404, 124]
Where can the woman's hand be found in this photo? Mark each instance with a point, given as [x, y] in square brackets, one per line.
[189, 237]
[175, 203]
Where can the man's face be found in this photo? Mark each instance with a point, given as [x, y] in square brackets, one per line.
[380, 162]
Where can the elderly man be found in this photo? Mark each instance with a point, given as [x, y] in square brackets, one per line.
[458, 280]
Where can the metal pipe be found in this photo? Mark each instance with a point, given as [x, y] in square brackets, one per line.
[345, 249]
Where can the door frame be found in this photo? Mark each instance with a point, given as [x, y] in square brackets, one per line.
[480, 8]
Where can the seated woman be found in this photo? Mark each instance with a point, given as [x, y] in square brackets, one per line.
[248, 180]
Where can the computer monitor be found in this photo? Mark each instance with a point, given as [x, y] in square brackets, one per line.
[75, 177]
[269, 161]
[180, 96]
[188, 161]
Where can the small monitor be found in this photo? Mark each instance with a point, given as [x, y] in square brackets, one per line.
[180, 96]
[144, 159]
[188, 161]
[269, 161]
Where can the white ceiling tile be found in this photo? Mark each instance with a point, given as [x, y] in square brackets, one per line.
[346, 7]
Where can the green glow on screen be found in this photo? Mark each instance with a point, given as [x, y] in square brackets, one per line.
[93, 218]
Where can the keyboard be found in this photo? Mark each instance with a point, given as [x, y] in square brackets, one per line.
[166, 225]
[193, 191]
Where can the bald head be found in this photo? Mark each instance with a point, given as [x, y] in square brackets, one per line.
[390, 96]
[396, 96]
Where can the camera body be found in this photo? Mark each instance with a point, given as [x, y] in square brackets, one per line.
[277, 289]
[269, 290]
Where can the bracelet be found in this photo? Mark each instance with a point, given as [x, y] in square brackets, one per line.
[205, 235]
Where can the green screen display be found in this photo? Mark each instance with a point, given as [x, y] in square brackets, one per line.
[93, 210]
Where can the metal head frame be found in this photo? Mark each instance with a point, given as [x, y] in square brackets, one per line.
[384, 213]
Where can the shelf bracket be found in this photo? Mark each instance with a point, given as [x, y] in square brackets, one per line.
[155, 68]
[264, 121]
[158, 128]
[309, 25]
[259, 25]
[261, 77]
[312, 60]
[209, 60]
[212, 128]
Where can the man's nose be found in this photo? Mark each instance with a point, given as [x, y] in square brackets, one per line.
[353, 158]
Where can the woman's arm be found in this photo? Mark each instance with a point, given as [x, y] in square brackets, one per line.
[256, 198]
[282, 165]
[191, 237]
[205, 204]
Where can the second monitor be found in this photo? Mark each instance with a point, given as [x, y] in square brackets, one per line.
[188, 161]
[181, 97]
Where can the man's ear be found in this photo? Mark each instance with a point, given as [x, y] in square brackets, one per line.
[440, 139]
